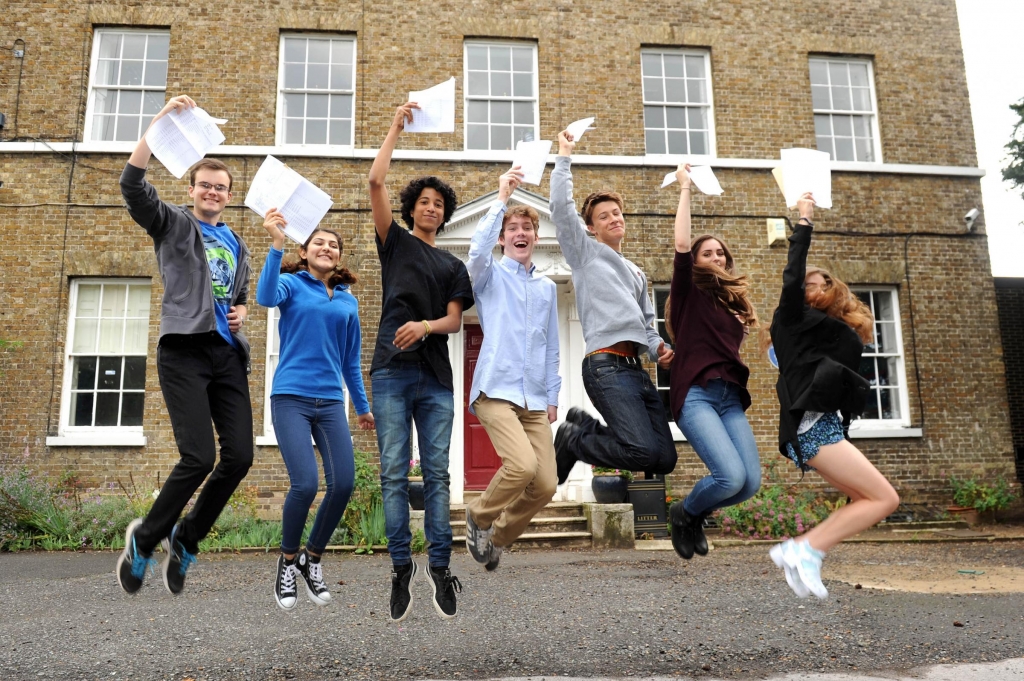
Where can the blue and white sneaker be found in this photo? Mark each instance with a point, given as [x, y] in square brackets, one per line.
[807, 561]
[132, 565]
[177, 562]
[778, 555]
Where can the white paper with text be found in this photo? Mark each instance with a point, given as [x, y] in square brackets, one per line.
[532, 157]
[302, 203]
[437, 108]
[181, 138]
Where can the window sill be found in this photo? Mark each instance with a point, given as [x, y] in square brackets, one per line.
[882, 432]
[136, 439]
[266, 441]
[677, 435]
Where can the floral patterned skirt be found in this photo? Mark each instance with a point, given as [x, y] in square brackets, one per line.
[828, 430]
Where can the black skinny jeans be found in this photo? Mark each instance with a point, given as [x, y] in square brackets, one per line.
[204, 384]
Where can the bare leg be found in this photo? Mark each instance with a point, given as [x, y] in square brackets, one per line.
[872, 498]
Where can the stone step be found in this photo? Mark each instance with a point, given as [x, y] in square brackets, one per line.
[554, 509]
[544, 525]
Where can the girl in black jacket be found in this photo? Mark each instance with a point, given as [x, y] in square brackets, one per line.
[819, 331]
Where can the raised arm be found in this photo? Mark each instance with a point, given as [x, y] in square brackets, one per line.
[488, 229]
[380, 202]
[682, 229]
[142, 153]
[572, 236]
[270, 290]
[791, 303]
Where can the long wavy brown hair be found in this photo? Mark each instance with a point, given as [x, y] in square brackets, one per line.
[837, 300]
[340, 275]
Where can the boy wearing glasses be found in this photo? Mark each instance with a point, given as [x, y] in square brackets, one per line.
[202, 360]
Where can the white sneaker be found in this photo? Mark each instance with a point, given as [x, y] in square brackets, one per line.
[807, 562]
[778, 555]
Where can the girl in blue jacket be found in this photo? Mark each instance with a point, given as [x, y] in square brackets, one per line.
[320, 342]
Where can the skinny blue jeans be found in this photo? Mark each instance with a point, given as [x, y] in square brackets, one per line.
[713, 422]
[295, 419]
[403, 393]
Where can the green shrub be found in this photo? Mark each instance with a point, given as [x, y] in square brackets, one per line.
[972, 493]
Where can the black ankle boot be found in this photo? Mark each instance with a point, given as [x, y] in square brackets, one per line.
[682, 531]
[700, 542]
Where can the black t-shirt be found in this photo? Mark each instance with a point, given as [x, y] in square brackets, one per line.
[418, 281]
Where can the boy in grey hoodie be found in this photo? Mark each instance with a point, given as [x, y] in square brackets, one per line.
[618, 321]
[202, 360]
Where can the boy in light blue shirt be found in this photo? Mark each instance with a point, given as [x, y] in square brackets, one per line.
[516, 382]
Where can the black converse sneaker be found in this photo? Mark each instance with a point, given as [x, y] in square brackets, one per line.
[402, 577]
[132, 565]
[444, 586]
[477, 541]
[285, 592]
[313, 575]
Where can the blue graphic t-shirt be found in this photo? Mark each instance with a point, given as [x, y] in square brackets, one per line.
[222, 255]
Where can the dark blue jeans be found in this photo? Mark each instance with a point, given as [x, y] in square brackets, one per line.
[403, 393]
[295, 419]
[637, 437]
[713, 422]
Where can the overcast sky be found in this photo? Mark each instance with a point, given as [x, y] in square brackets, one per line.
[989, 30]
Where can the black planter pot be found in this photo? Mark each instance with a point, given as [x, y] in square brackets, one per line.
[416, 494]
[609, 489]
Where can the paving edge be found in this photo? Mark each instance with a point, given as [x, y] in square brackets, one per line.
[666, 544]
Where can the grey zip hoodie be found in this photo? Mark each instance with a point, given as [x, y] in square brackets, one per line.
[611, 292]
[178, 242]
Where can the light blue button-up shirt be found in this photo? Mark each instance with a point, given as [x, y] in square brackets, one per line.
[519, 314]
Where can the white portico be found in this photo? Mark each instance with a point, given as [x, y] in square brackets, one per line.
[550, 262]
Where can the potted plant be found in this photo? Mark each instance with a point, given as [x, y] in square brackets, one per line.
[610, 484]
[415, 485]
[973, 498]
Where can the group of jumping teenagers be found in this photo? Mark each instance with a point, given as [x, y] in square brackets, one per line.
[818, 331]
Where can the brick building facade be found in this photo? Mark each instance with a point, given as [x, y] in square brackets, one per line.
[316, 84]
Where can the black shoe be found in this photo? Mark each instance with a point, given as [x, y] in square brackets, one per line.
[564, 459]
[285, 592]
[682, 531]
[402, 577]
[132, 565]
[444, 585]
[493, 556]
[177, 562]
[313, 575]
[577, 416]
[478, 541]
[700, 542]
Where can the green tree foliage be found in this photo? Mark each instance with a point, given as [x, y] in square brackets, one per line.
[1014, 172]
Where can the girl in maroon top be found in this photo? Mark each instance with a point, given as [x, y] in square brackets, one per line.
[710, 314]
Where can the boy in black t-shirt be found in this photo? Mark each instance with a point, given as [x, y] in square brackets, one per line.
[425, 291]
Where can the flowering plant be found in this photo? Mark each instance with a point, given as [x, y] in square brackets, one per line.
[773, 513]
[414, 469]
[604, 470]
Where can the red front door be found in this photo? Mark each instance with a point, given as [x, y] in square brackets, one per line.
[481, 459]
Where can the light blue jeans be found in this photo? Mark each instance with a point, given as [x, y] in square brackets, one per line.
[404, 392]
[713, 422]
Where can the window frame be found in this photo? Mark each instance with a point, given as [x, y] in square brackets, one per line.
[107, 435]
[98, 32]
[903, 389]
[279, 120]
[466, 97]
[710, 104]
[876, 137]
[659, 320]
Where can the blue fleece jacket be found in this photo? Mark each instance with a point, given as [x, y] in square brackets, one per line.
[320, 336]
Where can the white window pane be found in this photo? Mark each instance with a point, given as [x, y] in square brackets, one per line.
[675, 90]
[501, 59]
[131, 73]
[293, 128]
[865, 150]
[654, 117]
[158, 46]
[138, 302]
[844, 149]
[478, 83]
[476, 112]
[697, 118]
[698, 142]
[501, 137]
[501, 112]
[695, 67]
[294, 76]
[107, 408]
[85, 335]
[650, 64]
[83, 373]
[697, 91]
[522, 59]
[88, 301]
[654, 90]
[522, 84]
[861, 99]
[674, 65]
[316, 106]
[340, 132]
[107, 71]
[819, 72]
[294, 106]
[523, 112]
[476, 136]
[888, 372]
[838, 74]
[890, 403]
[654, 141]
[110, 45]
[821, 97]
[113, 300]
[316, 132]
[111, 331]
[861, 127]
[127, 129]
[134, 46]
[152, 102]
[319, 52]
[675, 117]
[81, 409]
[341, 77]
[341, 51]
[131, 102]
[871, 405]
[156, 74]
[103, 127]
[476, 57]
[822, 125]
[131, 408]
[841, 99]
[501, 84]
[843, 126]
[859, 75]
[106, 101]
[523, 133]
[677, 142]
[136, 333]
[825, 144]
[295, 49]
[341, 106]
[317, 76]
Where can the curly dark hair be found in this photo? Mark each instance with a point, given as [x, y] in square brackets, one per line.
[413, 190]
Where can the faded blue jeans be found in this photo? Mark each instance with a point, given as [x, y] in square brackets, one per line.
[403, 393]
[713, 422]
[295, 419]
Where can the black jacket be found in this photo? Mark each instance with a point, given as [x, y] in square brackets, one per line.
[819, 356]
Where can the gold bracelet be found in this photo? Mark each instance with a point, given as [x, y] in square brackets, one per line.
[427, 327]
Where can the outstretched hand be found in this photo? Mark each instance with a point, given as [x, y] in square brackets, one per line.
[566, 143]
[274, 222]
[179, 103]
[403, 115]
[508, 182]
[805, 206]
[683, 175]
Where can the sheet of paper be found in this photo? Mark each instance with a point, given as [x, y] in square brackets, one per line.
[577, 128]
[304, 210]
[181, 138]
[532, 156]
[807, 170]
[437, 109]
[702, 176]
[777, 174]
[272, 186]
[302, 203]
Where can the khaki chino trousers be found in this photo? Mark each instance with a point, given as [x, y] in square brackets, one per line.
[527, 478]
